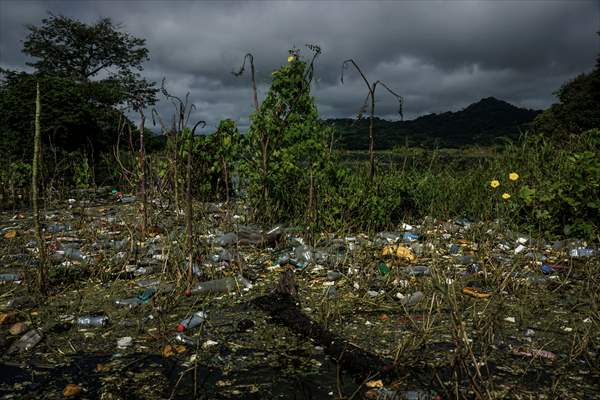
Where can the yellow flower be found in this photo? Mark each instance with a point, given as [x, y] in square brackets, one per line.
[513, 176]
[495, 183]
[290, 58]
[505, 196]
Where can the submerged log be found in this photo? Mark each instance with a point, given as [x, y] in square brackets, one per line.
[283, 308]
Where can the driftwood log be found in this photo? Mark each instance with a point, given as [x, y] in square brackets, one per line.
[282, 306]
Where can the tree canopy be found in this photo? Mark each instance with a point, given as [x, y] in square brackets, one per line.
[88, 75]
[578, 109]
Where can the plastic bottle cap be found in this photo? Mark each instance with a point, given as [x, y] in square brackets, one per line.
[180, 328]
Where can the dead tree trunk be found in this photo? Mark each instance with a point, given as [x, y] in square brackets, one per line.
[37, 150]
[143, 176]
[189, 216]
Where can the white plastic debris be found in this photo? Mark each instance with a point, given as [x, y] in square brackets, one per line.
[124, 342]
[209, 343]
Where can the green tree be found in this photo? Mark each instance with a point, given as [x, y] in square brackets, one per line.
[287, 144]
[82, 110]
[578, 108]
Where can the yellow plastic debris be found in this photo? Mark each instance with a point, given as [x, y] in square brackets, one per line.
[477, 293]
[375, 384]
[399, 252]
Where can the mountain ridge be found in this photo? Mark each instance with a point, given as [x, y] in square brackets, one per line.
[484, 122]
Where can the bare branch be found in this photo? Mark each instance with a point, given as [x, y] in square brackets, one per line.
[396, 95]
[351, 61]
[250, 57]
[196, 125]
[160, 120]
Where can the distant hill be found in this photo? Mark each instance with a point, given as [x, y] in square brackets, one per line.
[481, 123]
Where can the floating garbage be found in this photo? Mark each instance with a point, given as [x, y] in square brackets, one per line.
[92, 321]
[530, 352]
[411, 299]
[9, 277]
[18, 328]
[19, 302]
[581, 252]
[26, 342]
[141, 298]
[190, 323]
[223, 285]
[476, 292]
[181, 338]
[333, 275]
[418, 270]
[399, 252]
[57, 228]
[124, 342]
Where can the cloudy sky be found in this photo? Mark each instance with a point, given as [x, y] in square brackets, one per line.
[439, 55]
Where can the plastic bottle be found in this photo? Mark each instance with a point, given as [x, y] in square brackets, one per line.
[9, 277]
[581, 252]
[304, 255]
[19, 302]
[418, 270]
[181, 338]
[411, 299]
[189, 323]
[410, 237]
[223, 285]
[333, 275]
[26, 342]
[547, 269]
[92, 320]
[131, 302]
[227, 239]
[127, 199]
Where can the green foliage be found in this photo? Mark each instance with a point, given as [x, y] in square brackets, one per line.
[16, 175]
[578, 109]
[80, 111]
[562, 197]
[72, 119]
[76, 51]
[83, 174]
[286, 132]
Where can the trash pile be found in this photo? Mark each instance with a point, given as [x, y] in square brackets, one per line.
[446, 303]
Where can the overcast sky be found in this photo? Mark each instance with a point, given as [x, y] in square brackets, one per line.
[439, 56]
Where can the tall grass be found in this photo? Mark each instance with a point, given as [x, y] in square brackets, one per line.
[556, 194]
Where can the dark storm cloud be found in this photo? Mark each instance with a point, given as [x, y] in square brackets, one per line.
[439, 55]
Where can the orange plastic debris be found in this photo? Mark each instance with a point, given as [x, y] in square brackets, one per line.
[477, 293]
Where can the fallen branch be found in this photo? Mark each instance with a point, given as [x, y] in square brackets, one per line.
[283, 308]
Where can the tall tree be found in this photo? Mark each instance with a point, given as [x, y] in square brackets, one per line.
[70, 48]
[89, 74]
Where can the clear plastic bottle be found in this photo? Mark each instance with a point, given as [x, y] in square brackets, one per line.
[9, 277]
[92, 320]
[26, 342]
[189, 323]
[223, 285]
